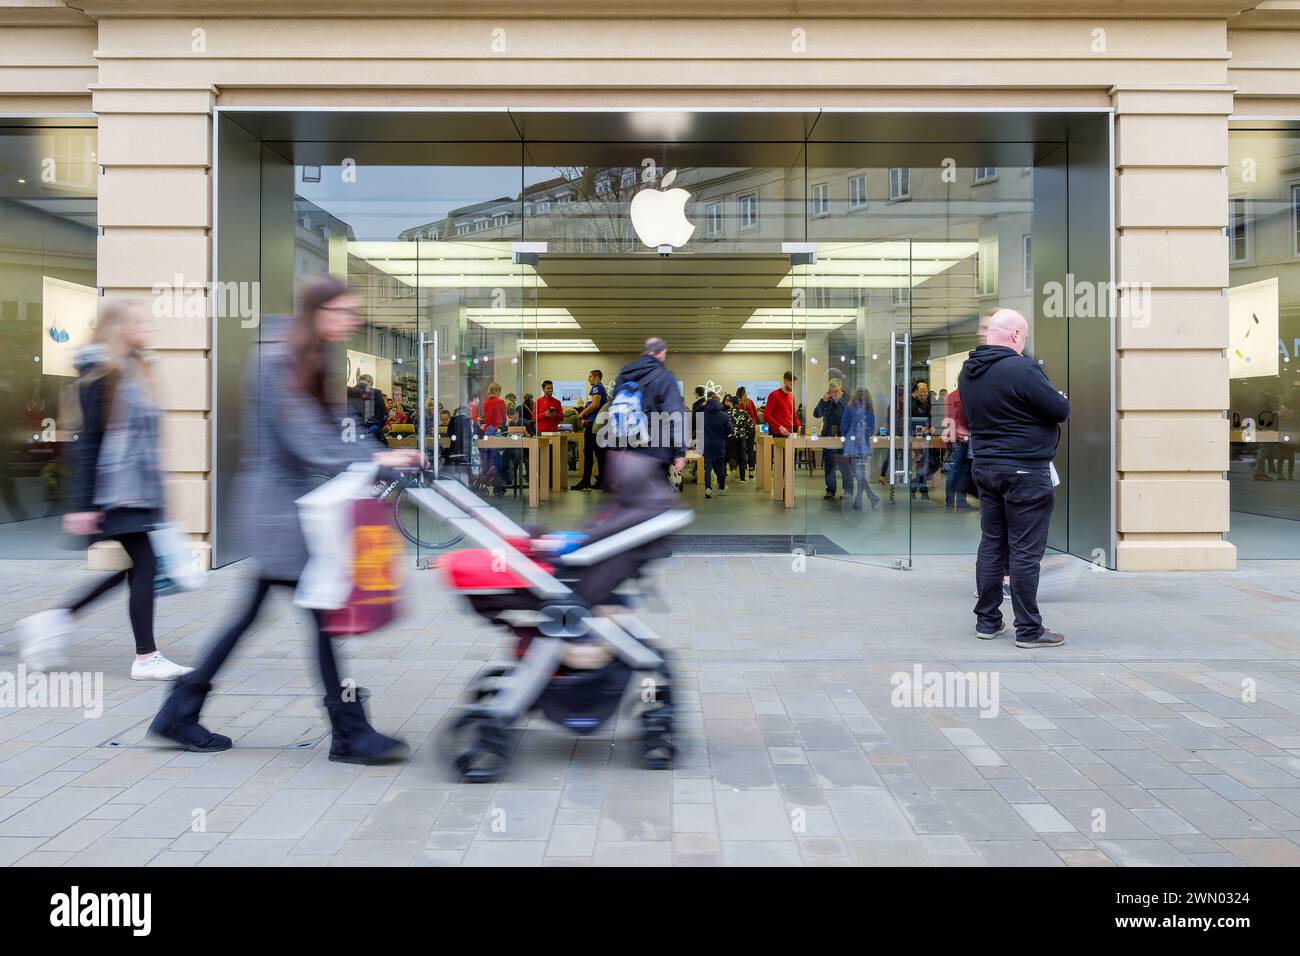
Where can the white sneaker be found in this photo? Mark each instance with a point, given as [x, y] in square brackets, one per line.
[722, 491]
[708, 492]
[40, 639]
[157, 667]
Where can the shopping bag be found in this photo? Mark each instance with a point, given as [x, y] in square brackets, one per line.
[376, 572]
[325, 516]
[178, 566]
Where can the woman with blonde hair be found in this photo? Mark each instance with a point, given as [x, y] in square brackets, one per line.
[117, 486]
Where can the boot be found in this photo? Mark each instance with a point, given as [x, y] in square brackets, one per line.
[178, 720]
[355, 741]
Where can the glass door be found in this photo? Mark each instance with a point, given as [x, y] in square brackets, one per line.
[469, 375]
[861, 458]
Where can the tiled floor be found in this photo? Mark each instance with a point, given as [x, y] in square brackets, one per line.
[1167, 731]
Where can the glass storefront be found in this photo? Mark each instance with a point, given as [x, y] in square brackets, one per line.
[48, 177]
[1263, 340]
[550, 255]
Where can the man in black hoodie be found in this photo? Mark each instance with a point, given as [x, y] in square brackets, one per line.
[1014, 415]
[638, 463]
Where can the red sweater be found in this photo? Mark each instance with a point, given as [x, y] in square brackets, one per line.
[547, 423]
[494, 412]
[780, 412]
[751, 410]
[960, 427]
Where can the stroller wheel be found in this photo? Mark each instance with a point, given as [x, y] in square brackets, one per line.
[486, 753]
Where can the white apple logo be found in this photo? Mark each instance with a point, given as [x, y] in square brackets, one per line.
[659, 215]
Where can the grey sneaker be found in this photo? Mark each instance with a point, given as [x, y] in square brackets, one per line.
[989, 635]
[1049, 638]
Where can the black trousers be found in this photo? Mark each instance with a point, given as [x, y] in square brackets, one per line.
[139, 578]
[591, 451]
[715, 466]
[737, 454]
[225, 643]
[1015, 511]
[833, 461]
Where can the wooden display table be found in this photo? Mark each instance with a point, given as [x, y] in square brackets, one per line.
[783, 462]
[556, 450]
[537, 489]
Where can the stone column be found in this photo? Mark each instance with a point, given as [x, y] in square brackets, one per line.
[155, 210]
[1171, 372]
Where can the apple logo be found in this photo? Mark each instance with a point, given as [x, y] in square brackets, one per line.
[659, 215]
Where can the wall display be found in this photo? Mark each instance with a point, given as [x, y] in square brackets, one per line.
[363, 363]
[571, 393]
[1253, 329]
[758, 390]
[69, 321]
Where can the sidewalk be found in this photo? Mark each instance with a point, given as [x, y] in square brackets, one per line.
[1130, 745]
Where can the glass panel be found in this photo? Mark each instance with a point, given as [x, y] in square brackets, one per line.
[48, 302]
[1264, 341]
[852, 491]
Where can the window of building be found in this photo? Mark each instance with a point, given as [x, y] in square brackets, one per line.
[462, 228]
[820, 200]
[1239, 229]
[985, 174]
[900, 184]
[987, 267]
[1027, 262]
[748, 210]
[857, 191]
[503, 219]
[901, 296]
[713, 219]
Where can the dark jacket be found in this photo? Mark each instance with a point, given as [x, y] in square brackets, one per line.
[659, 396]
[857, 426]
[357, 406]
[1013, 410]
[831, 411]
[95, 395]
[717, 426]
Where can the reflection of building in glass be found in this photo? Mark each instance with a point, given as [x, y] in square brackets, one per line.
[1264, 255]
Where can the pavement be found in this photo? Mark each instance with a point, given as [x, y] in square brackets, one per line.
[1166, 732]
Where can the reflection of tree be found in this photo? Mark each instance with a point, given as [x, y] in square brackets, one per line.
[601, 214]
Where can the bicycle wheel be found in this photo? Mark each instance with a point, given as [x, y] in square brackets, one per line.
[422, 529]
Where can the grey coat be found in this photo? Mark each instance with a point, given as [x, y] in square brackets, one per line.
[289, 441]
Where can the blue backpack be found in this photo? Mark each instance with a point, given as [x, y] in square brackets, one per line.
[628, 425]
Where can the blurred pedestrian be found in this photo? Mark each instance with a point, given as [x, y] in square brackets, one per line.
[286, 443]
[118, 489]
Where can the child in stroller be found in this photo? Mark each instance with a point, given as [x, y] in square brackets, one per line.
[578, 644]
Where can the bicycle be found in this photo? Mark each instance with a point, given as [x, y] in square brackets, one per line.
[416, 525]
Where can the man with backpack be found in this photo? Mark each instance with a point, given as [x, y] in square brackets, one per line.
[645, 432]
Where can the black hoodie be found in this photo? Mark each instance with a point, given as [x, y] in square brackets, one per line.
[659, 395]
[1013, 410]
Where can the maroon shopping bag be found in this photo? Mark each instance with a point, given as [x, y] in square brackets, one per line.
[377, 556]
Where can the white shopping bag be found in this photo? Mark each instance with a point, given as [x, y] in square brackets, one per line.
[179, 565]
[325, 515]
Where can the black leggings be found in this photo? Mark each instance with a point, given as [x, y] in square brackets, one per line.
[140, 575]
[221, 649]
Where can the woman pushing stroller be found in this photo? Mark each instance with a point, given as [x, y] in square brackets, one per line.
[291, 440]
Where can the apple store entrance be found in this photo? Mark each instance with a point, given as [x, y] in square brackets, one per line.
[511, 263]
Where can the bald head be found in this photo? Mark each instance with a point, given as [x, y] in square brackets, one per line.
[1007, 327]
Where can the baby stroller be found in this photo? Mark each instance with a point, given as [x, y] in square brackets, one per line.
[572, 664]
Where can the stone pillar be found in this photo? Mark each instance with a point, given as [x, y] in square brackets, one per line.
[1171, 372]
[155, 210]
